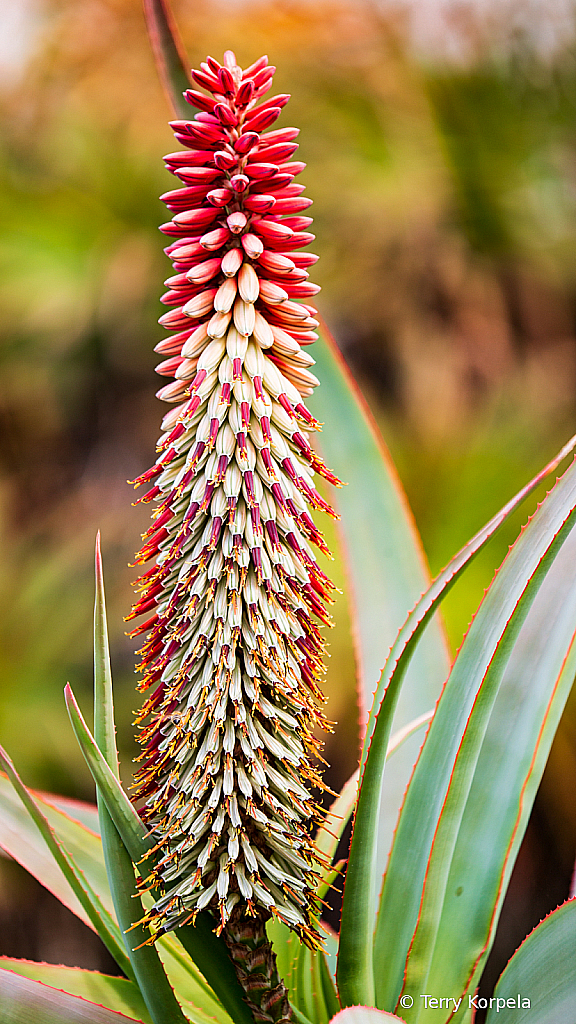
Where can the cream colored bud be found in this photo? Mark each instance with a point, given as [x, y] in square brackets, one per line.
[248, 283]
[244, 317]
[225, 295]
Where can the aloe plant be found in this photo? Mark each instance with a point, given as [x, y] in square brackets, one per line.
[221, 920]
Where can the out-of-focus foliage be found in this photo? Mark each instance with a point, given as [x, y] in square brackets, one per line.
[444, 182]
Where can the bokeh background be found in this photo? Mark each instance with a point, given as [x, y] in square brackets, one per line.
[440, 138]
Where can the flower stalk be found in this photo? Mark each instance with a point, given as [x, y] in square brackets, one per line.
[235, 596]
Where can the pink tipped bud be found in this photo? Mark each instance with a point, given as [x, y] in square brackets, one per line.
[213, 65]
[174, 320]
[272, 231]
[279, 135]
[169, 366]
[303, 290]
[264, 77]
[232, 261]
[273, 101]
[219, 197]
[292, 205]
[246, 142]
[292, 167]
[199, 218]
[206, 135]
[199, 100]
[298, 223]
[225, 115]
[277, 182]
[276, 263]
[258, 171]
[263, 120]
[224, 160]
[229, 59]
[249, 72]
[298, 239]
[272, 293]
[192, 158]
[204, 117]
[200, 304]
[304, 259]
[187, 253]
[236, 222]
[275, 154]
[259, 204]
[173, 392]
[239, 182]
[206, 80]
[214, 239]
[204, 271]
[198, 175]
[245, 93]
[252, 245]
[226, 82]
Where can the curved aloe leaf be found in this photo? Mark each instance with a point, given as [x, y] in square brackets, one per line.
[113, 993]
[78, 810]
[135, 835]
[527, 709]
[20, 838]
[23, 1001]
[442, 779]
[355, 959]
[384, 560]
[90, 901]
[308, 978]
[340, 811]
[168, 53]
[542, 972]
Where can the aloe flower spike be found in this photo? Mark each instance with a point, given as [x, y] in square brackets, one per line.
[234, 597]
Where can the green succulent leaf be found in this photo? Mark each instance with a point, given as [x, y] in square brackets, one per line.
[534, 689]
[341, 810]
[355, 959]
[77, 810]
[113, 993]
[135, 835]
[385, 563]
[543, 970]
[20, 838]
[44, 841]
[23, 1000]
[190, 986]
[413, 893]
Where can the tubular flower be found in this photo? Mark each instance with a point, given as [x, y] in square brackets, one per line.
[233, 649]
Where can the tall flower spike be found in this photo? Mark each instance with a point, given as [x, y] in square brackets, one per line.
[233, 648]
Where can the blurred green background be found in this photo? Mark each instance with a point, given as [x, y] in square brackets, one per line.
[440, 140]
